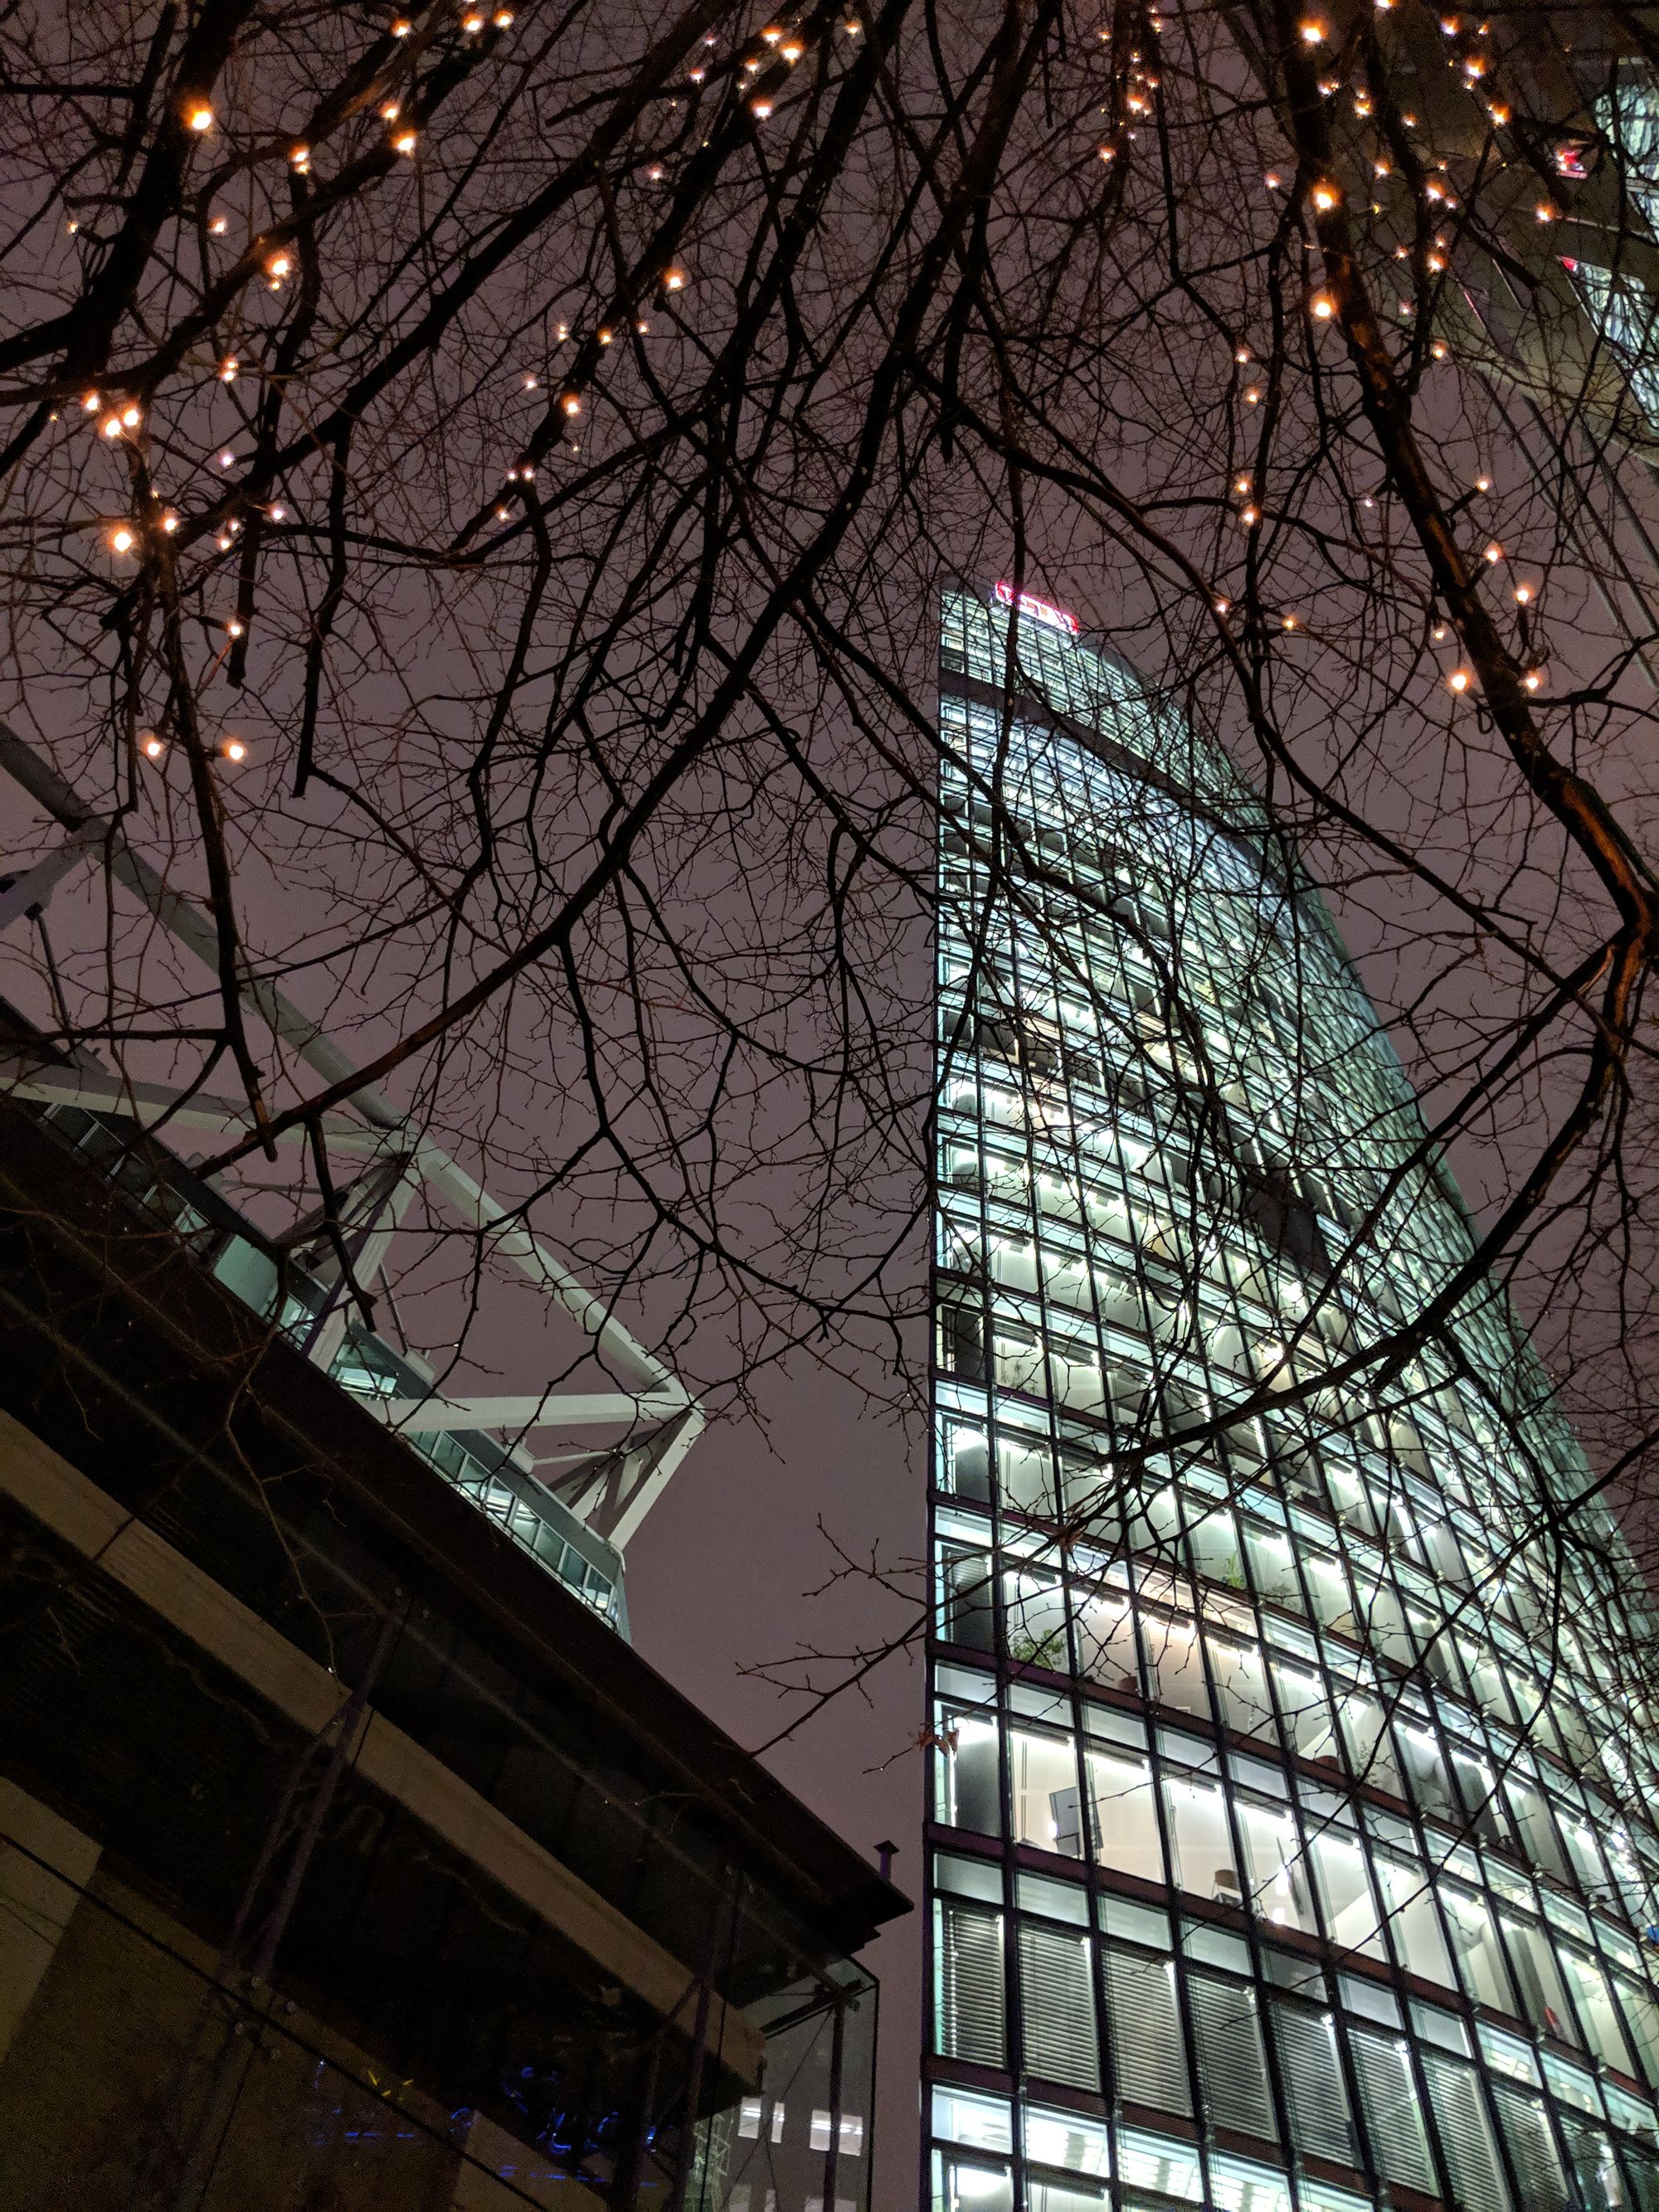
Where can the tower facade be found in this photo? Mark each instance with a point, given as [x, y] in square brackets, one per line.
[1291, 1844]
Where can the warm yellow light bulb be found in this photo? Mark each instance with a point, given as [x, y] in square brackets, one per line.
[235, 749]
[1458, 680]
[121, 540]
[1312, 31]
[199, 116]
[1522, 594]
[1494, 554]
[674, 280]
[1322, 306]
[405, 142]
[1326, 196]
[571, 402]
[154, 748]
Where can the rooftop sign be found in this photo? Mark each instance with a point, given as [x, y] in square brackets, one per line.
[1042, 611]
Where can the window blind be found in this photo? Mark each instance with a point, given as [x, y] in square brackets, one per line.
[1148, 2048]
[1057, 2002]
[1466, 2137]
[1534, 2158]
[1232, 2064]
[1387, 2098]
[1314, 2088]
[968, 1984]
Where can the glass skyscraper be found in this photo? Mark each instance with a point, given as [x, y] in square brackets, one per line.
[1290, 1835]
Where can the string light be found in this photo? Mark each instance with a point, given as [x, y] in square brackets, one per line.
[219, 225]
[402, 27]
[199, 116]
[1483, 483]
[122, 539]
[502, 19]
[1544, 212]
[299, 159]
[233, 627]
[760, 108]
[279, 514]
[1242, 484]
[405, 142]
[90, 402]
[1522, 594]
[1222, 606]
[169, 522]
[1325, 197]
[674, 280]
[1458, 680]
[1248, 517]
[277, 267]
[1533, 678]
[152, 744]
[234, 750]
[1311, 31]
[1241, 354]
[1493, 554]
[227, 459]
[1440, 633]
[229, 368]
[571, 402]
[1322, 306]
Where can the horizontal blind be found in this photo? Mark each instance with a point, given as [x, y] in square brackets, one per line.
[969, 1985]
[1589, 2154]
[1232, 2065]
[1466, 2137]
[1534, 2158]
[1387, 2097]
[1314, 2088]
[1057, 2007]
[1148, 2050]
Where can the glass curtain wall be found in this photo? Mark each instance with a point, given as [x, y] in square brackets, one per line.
[1289, 1840]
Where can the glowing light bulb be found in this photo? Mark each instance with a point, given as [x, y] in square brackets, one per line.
[656, 173]
[1325, 197]
[1248, 517]
[674, 280]
[605, 336]
[279, 514]
[772, 34]
[530, 382]
[122, 539]
[1533, 678]
[1287, 621]
[1222, 606]
[1440, 633]
[1435, 262]
[1322, 306]
[132, 416]
[110, 426]
[152, 744]
[1241, 485]
[277, 266]
[402, 27]
[299, 158]
[571, 402]
[234, 750]
[472, 22]
[390, 111]
[169, 522]
[1381, 169]
[1311, 31]
[219, 225]
[1544, 212]
[405, 142]
[1483, 483]
[233, 627]
[760, 109]
[642, 327]
[229, 368]
[1523, 594]
[1459, 680]
[90, 402]
[1438, 349]
[1272, 181]
[199, 116]
[1252, 397]
[502, 19]
[227, 459]
[1499, 116]
[1493, 554]
[791, 50]
[1241, 354]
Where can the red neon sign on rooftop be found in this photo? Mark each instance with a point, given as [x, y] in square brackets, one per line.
[1042, 611]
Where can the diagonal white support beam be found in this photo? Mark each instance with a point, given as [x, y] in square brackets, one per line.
[657, 1393]
[550, 1409]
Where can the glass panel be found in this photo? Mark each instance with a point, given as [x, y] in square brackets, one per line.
[1277, 1869]
[1172, 1649]
[1241, 1684]
[1595, 2008]
[969, 1783]
[1125, 1814]
[1106, 1642]
[1308, 1726]
[1202, 1841]
[1474, 1940]
[1352, 1918]
[1419, 1944]
[1043, 1771]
